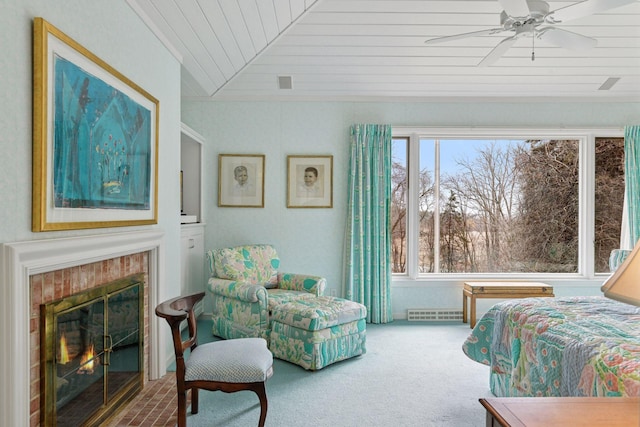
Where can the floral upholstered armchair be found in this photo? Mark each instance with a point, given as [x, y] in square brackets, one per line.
[245, 285]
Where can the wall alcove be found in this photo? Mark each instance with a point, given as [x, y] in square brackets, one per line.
[192, 251]
[191, 175]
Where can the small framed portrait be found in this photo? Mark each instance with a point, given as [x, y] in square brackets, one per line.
[241, 180]
[309, 181]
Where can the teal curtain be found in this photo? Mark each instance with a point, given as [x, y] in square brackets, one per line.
[368, 245]
[632, 180]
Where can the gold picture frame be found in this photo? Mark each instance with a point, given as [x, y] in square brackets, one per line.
[310, 181]
[241, 180]
[95, 140]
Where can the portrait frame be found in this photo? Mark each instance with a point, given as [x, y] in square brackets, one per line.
[95, 140]
[241, 180]
[303, 191]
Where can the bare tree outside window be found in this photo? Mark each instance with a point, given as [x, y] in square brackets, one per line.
[505, 206]
[399, 188]
[609, 197]
[485, 183]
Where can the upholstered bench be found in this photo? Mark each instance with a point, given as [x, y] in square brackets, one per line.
[317, 332]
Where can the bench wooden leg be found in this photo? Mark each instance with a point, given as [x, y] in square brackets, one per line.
[464, 308]
[472, 315]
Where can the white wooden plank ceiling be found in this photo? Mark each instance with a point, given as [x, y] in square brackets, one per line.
[375, 50]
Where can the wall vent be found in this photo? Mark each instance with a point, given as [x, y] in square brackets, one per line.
[285, 82]
[430, 314]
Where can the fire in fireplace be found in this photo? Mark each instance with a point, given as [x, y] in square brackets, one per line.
[92, 353]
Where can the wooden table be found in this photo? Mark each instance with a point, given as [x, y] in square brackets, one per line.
[474, 290]
[562, 411]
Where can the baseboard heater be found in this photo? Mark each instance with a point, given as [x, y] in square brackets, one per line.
[430, 314]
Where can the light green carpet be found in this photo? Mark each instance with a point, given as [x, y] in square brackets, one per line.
[413, 374]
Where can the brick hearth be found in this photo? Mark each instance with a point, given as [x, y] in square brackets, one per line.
[156, 405]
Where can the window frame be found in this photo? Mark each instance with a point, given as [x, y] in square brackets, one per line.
[586, 191]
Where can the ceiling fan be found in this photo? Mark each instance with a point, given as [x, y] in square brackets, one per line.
[532, 18]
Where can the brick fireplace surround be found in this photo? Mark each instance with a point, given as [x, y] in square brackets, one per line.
[36, 272]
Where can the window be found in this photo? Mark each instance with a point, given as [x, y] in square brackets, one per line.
[399, 196]
[609, 198]
[492, 202]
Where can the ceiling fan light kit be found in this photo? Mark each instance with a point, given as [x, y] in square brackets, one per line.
[536, 12]
[532, 18]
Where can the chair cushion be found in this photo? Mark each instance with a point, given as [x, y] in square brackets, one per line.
[242, 360]
[257, 264]
[318, 313]
[282, 296]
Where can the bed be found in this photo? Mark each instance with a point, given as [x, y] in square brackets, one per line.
[572, 346]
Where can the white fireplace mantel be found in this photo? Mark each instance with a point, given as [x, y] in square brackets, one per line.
[19, 261]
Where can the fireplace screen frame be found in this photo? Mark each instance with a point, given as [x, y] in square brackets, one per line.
[49, 349]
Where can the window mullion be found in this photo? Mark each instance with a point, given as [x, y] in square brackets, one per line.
[412, 206]
[436, 208]
[586, 218]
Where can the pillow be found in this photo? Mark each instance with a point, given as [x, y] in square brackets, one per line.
[250, 263]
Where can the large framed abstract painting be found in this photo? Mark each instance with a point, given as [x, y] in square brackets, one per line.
[95, 140]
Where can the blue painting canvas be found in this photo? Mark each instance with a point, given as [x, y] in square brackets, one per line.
[101, 143]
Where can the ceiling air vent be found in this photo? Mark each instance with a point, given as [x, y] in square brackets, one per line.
[608, 84]
[284, 82]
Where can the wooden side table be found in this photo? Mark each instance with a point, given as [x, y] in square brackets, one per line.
[474, 290]
[562, 411]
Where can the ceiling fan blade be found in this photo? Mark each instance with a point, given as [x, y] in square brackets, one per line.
[498, 51]
[566, 39]
[464, 35]
[582, 9]
[515, 8]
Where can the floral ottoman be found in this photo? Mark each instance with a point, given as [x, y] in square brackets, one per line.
[317, 332]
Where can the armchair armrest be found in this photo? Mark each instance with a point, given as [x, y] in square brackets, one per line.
[302, 282]
[237, 290]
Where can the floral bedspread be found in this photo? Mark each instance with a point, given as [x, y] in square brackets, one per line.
[572, 346]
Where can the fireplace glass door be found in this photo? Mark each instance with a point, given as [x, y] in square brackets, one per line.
[93, 353]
